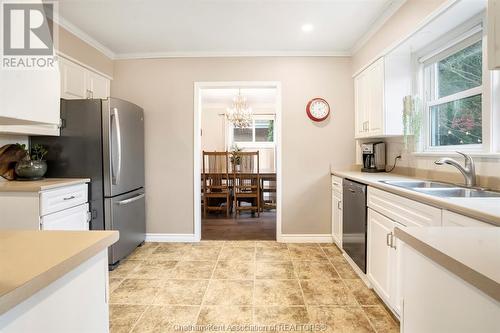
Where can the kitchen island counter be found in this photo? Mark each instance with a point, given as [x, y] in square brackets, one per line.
[42, 276]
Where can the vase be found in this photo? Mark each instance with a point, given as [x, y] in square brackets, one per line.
[32, 170]
[238, 167]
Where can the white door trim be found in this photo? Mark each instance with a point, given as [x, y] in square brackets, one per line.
[197, 145]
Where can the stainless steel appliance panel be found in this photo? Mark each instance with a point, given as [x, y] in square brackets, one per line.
[354, 222]
[123, 147]
[123, 213]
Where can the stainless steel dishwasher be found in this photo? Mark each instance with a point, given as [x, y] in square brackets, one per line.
[354, 222]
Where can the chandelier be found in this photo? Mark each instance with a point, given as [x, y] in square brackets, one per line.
[239, 114]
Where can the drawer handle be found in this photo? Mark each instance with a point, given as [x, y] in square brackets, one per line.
[338, 205]
[336, 184]
[69, 198]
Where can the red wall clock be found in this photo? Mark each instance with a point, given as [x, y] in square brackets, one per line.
[317, 109]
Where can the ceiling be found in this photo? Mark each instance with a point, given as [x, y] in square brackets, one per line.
[223, 97]
[149, 28]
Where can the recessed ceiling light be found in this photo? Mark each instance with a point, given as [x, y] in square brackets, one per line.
[307, 27]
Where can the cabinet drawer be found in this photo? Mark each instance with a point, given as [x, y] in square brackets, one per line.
[451, 219]
[337, 184]
[75, 218]
[62, 198]
[405, 211]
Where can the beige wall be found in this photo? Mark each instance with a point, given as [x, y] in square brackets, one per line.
[74, 47]
[402, 23]
[164, 88]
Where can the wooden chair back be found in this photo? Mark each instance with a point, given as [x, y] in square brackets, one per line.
[246, 175]
[215, 171]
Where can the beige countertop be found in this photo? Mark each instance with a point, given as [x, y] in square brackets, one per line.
[483, 209]
[39, 185]
[470, 253]
[31, 260]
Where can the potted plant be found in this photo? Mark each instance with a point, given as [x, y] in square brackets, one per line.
[33, 166]
[235, 157]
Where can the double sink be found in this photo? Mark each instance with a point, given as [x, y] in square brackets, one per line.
[443, 190]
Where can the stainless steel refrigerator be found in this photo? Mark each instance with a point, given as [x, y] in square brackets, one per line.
[103, 139]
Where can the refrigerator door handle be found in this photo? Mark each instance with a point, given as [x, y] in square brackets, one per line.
[127, 201]
[116, 173]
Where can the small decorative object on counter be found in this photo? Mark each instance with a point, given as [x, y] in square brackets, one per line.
[33, 166]
[9, 156]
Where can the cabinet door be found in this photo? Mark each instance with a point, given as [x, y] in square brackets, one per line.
[337, 219]
[451, 219]
[397, 277]
[28, 96]
[98, 85]
[73, 80]
[76, 218]
[379, 253]
[376, 98]
[360, 105]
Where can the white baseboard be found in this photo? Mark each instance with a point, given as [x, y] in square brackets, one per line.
[153, 237]
[305, 238]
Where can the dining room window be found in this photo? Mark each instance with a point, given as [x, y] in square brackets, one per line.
[259, 134]
[453, 94]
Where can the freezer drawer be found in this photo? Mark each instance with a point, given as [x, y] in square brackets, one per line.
[125, 213]
[76, 218]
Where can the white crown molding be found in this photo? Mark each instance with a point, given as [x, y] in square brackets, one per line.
[84, 36]
[391, 9]
[160, 55]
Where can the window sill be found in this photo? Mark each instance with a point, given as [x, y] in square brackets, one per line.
[494, 156]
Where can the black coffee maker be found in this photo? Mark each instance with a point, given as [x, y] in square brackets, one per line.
[373, 154]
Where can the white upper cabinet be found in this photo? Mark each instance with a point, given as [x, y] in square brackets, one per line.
[379, 91]
[73, 80]
[29, 96]
[98, 85]
[77, 82]
[494, 34]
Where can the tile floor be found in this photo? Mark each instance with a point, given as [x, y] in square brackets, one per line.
[251, 284]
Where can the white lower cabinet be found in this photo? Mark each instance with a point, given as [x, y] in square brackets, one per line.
[383, 259]
[451, 219]
[62, 208]
[337, 211]
[385, 212]
[76, 218]
[437, 301]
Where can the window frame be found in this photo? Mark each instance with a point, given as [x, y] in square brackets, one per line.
[429, 89]
[253, 143]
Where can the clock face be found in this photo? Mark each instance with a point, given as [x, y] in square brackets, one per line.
[318, 109]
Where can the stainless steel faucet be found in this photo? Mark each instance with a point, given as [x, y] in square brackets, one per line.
[469, 171]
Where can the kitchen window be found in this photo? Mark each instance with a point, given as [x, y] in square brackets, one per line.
[259, 134]
[454, 97]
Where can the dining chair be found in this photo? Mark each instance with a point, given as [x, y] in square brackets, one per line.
[246, 182]
[216, 183]
[267, 192]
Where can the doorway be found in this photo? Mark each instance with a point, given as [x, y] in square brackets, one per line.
[230, 138]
